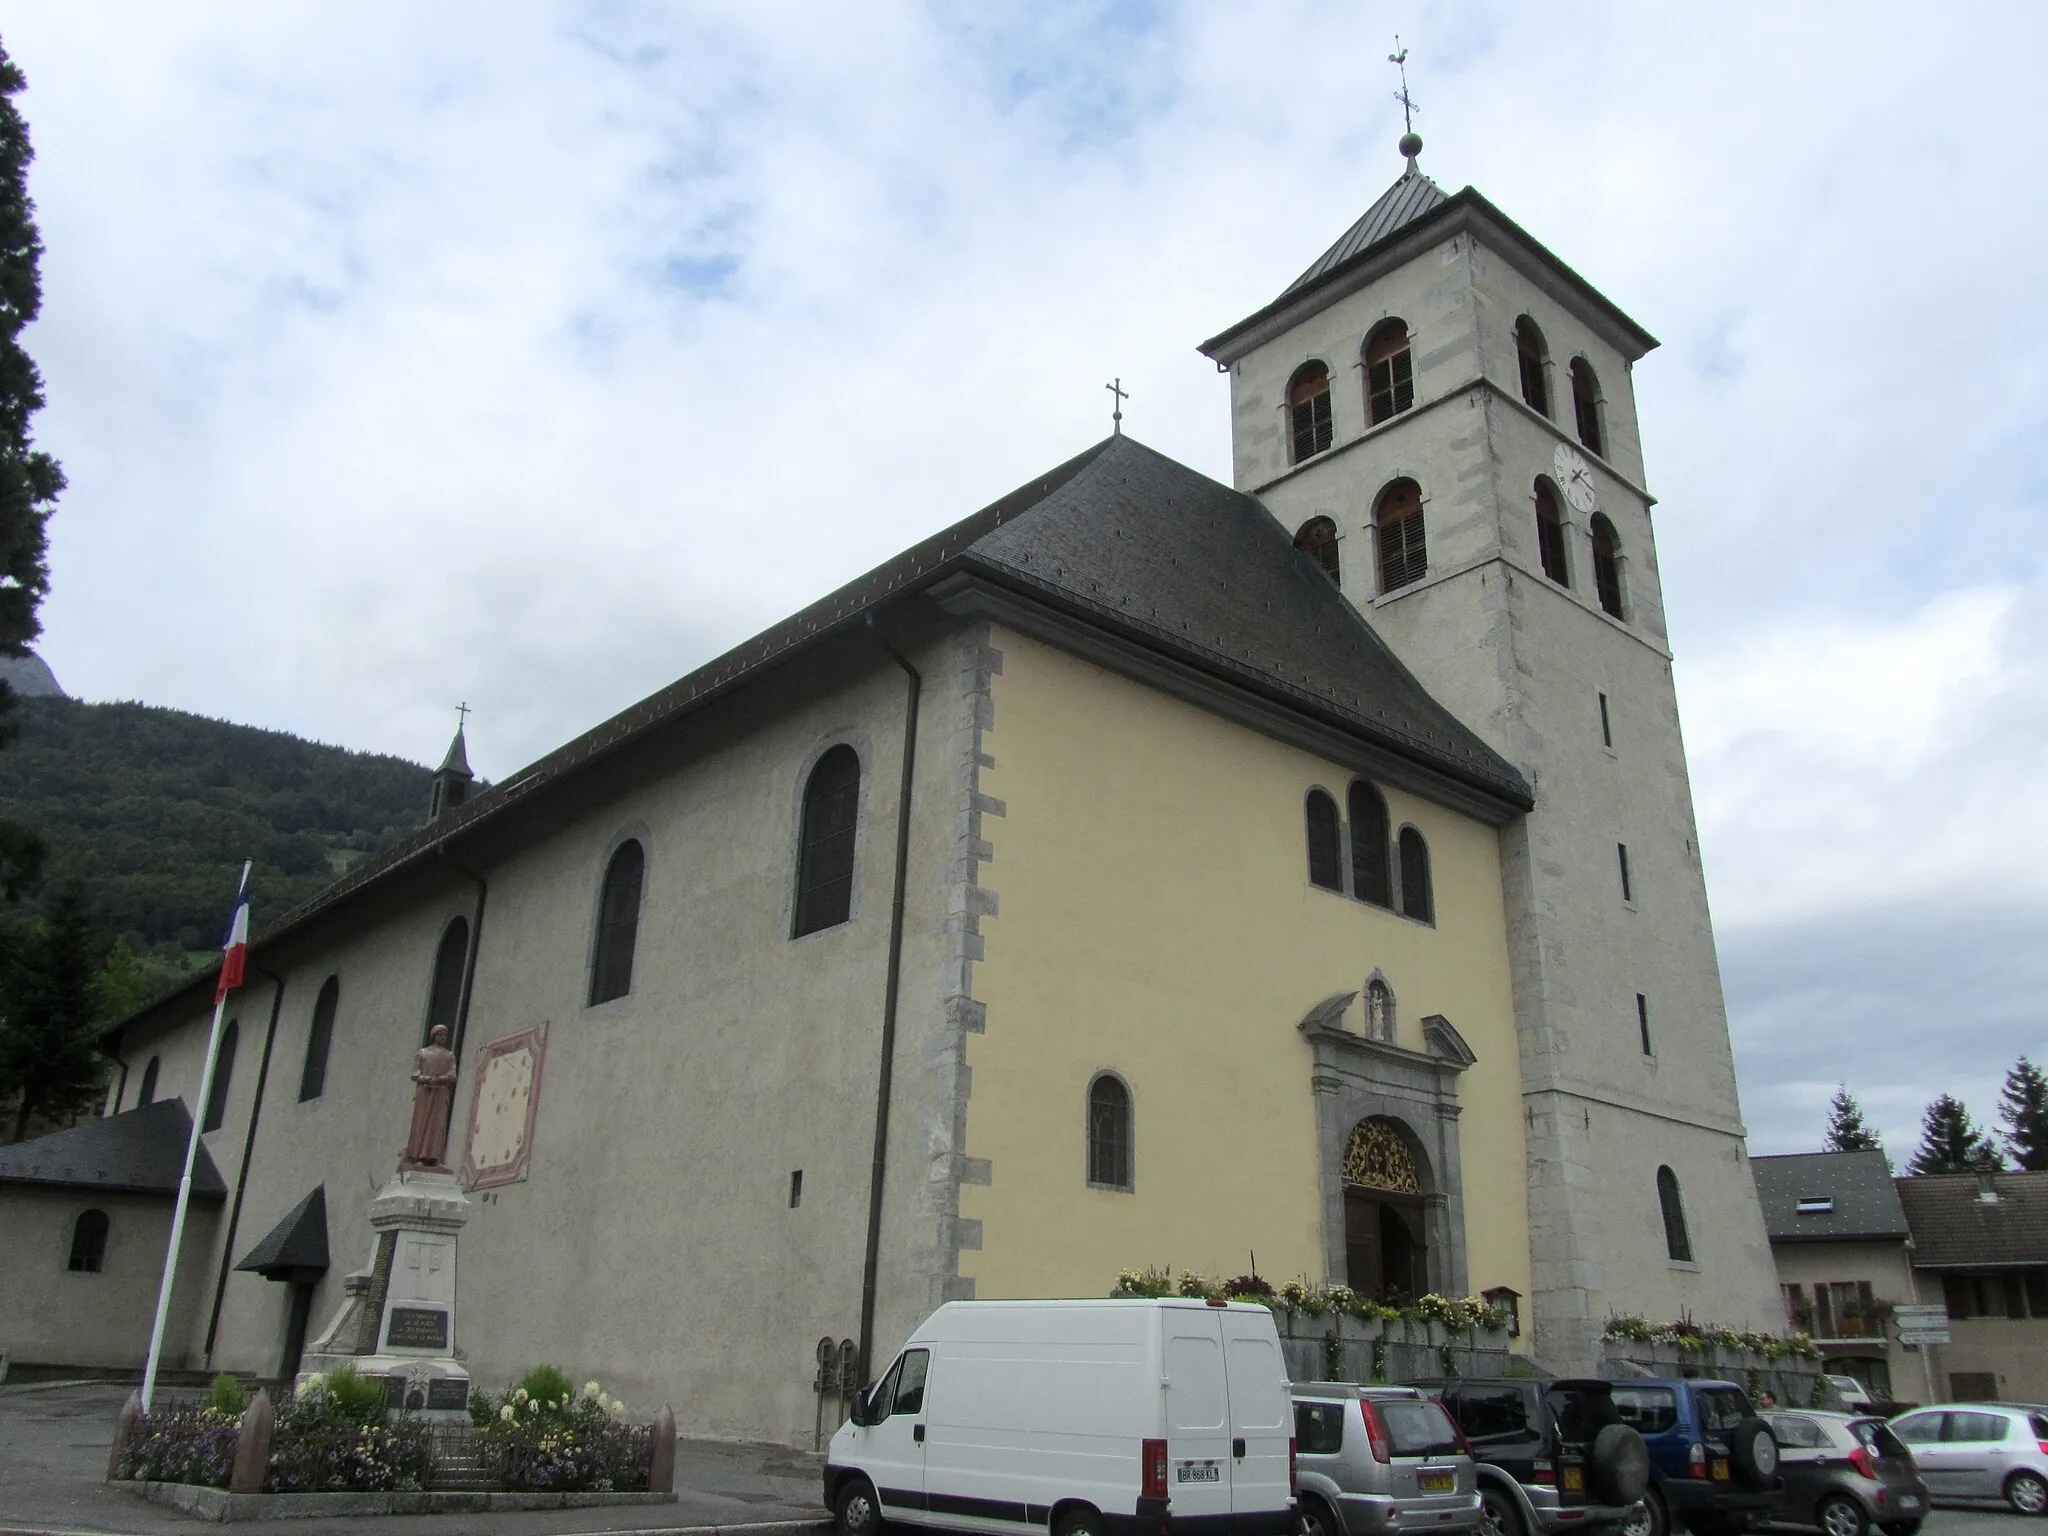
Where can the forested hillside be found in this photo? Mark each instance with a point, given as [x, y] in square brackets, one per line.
[151, 812]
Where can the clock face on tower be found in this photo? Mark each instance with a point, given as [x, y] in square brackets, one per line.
[1576, 477]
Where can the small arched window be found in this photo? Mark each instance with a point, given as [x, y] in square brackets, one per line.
[1371, 880]
[1325, 843]
[1676, 1242]
[1607, 564]
[1109, 1133]
[618, 925]
[223, 1077]
[444, 993]
[1532, 355]
[320, 1040]
[1586, 405]
[147, 1095]
[89, 1242]
[1308, 410]
[824, 872]
[1404, 550]
[1389, 371]
[1550, 534]
[1318, 540]
[1417, 899]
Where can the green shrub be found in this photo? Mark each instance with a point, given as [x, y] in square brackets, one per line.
[546, 1384]
[355, 1399]
[227, 1397]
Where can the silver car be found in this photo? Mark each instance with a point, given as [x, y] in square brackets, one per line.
[1981, 1451]
[1845, 1472]
[1378, 1461]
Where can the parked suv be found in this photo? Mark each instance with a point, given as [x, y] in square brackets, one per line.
[1981, 1451]
[1713, 1463]
[1845, 1472]
[1373, 1461]
[1553, 1456]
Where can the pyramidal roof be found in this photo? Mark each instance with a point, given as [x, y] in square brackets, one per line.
[1399, 206]
[141, 1151]
[457, 760]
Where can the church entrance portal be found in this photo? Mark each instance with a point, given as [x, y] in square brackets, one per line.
[1385, 1253]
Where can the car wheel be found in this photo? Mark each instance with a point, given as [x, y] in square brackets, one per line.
[1497, 1510]
[1650, 1519]
[1316, 1519]
[2027, 1493]
[1900, 1528]
[1082, 1522]
[1841, 1517]
[855, 1513]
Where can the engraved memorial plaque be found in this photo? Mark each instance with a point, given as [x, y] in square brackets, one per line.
[417, 1328]
[447, 1392]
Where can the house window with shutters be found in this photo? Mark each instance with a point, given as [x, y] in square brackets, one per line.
[1417, 899]
[1550, 534]
[1109, 1133]
[1533, 358]
[618, 923]
[1586, 406]
[1607, 565]
[1389, 371]
[1318, 540]
[1403, 549]
[1308, 410]
[1371, 874]
[1325, 843]
[825, 844]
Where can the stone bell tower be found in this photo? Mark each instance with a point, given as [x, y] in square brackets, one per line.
[1442, 413]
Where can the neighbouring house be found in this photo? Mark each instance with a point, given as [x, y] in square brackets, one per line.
[1980, 1244]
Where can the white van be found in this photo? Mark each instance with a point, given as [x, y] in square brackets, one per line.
[1078, 1418]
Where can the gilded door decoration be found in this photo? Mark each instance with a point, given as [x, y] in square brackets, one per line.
[1378, 1158]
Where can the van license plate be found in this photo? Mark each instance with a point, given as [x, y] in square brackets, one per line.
[1574, 1479]
[1720, 1471]
[1198, 1472]
[1439, 1482]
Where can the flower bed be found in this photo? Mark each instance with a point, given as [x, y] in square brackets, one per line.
[543, 1436]
[1706, 1339]
[1466, 1315]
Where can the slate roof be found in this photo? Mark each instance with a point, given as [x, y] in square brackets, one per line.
[1954, 1229]
[1399, 206]
[140, 1152]
[298, 1242]
[1860, 1183]
[1119, 534]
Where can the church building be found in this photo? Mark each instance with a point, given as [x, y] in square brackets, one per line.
[1142, 871]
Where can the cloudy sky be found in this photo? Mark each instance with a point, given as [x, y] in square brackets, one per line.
[530, 354]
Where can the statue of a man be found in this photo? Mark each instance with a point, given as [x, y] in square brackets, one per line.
[434, 1072]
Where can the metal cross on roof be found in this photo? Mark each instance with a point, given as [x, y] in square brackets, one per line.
[1116, 415]
[461, 715]
[1399, 59]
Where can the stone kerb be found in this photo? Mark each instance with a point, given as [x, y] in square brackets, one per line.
[220, 1505]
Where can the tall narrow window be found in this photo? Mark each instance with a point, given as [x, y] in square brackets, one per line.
[1389, 372]
[824, 875]
[1643, 1021]
[451, 960]
[1676, 1242]
[1606, 725]
[1404, 551]
[223, 1078]
[1586, 405]
[89, 1242]
[1531, 353]
[1325, 843]
[618, 924]
[147, 1094]
[1318, 540]
[1550, 534]
[319, 1040]
[1417, 900]
[1109, 1134]
[1308, 410]
[1628, 885]
[1607, 565]
[1371, 879]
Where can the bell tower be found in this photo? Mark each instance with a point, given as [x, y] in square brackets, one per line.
[1442, 413]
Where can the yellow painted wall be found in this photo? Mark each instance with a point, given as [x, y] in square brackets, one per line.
[1155, 917]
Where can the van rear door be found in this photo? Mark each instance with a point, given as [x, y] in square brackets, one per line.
[1261, 1417]
[1198, 1430]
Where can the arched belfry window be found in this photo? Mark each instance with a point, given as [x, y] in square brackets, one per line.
[1532, 356]
[1404, 550]
[1371, 879]
[1109, 1133]
[1308, 410]
[223, 1077]
[1607, 564]
[444, 993]
[618, 924]
[1550, 534]
[824, 874]
[1586, 406]
[320, 1040]
[1325, 842]
[1318, 540]
[89, 1242]
[147, 1094]
[1417, 899]
[1389, 371]
[1676, 1241]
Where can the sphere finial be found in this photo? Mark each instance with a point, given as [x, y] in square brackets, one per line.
[1411, 146]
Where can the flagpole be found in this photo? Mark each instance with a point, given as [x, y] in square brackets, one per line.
[163, 1290]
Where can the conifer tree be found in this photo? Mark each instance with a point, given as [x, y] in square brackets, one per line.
[2023, 1106]
[48, 1067]
[1951, 1143]
[1846, 1130]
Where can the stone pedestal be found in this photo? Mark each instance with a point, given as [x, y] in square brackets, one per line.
[397, 1318]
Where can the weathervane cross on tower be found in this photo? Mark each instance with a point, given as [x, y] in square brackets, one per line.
[1119, 395]
[1411, 141]
[461, 714]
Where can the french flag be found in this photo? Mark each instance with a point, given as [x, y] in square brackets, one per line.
[235, 947]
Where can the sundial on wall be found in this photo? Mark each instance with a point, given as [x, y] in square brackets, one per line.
[501, 1112]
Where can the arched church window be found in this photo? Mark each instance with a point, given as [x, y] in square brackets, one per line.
[89, 1242]
[1308, 410]
[824, 876]
[1377, 1157]
[618, 925]
[444, 993]
[223, 1077]
[1607, 564]
[1417, 899]
[1586, 405]
[1404, 551]
[1371, 878]
[1325, 843]
[1532, 356]
[147, 1095]
[1109, 1133]
[1676, 1241]
[320, 1040]
[1379, 1011]
[1389, 371]
[1318, 540]
[1550, 533]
